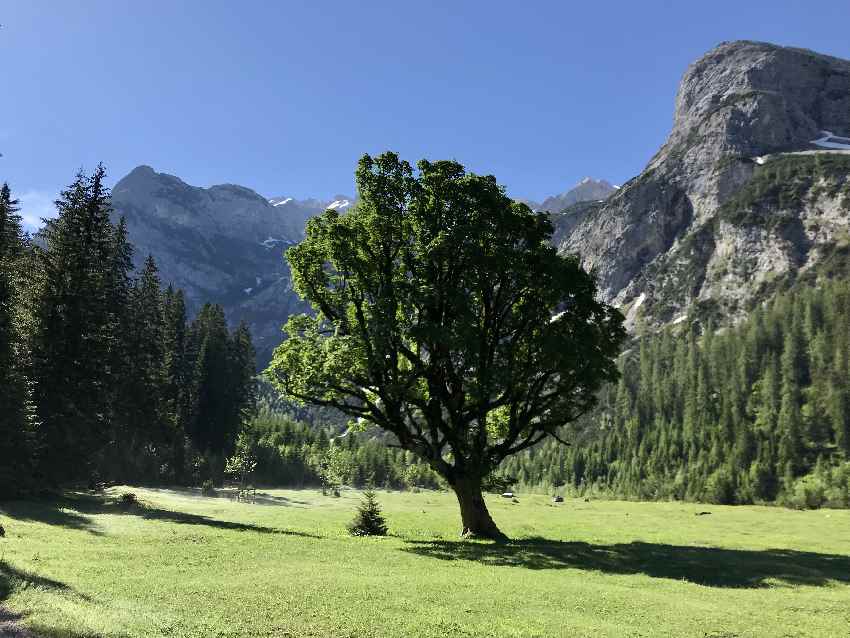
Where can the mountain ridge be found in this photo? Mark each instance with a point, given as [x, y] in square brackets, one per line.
[668, 237]
[750, 189]
[225, 243]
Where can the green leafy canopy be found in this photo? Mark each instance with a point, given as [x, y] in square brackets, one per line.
[445, 316]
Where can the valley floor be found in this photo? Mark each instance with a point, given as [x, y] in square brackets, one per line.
[186, 565]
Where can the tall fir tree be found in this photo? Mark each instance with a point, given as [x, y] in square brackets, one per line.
[16, 425]
[178, 373]
[212, 424]
[76, 324]
[142, 432]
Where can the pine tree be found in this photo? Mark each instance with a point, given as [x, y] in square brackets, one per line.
[369, 521]
[242, 372]
[178, 372]
[213, 426]
[16, 428]
[75, 328]
[142, 430]
[789, 421]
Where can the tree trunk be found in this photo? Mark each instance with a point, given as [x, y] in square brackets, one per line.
[474, 516]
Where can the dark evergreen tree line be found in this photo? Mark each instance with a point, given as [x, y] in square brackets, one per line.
[17, 422]
[295, 454]
[101, 376]
[758, 412]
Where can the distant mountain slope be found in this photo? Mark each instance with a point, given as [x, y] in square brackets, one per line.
[588, 189]
[225, 243]
[751, 189]
[221, 244]
[300, 210]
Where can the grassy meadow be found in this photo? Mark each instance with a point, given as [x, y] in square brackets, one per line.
[184, 565]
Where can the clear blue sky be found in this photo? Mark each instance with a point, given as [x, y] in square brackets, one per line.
[283, 97]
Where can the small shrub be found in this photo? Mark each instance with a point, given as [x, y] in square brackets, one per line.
[207, 488]
[368, 521]
[808, 492]
[128, 500]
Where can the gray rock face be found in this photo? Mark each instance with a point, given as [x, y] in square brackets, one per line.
[658, 243]
[225, 244]
[222, 244]
[586, 190]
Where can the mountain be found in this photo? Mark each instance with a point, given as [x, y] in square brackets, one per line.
[225, 243]
[301, 210]
[221, 244]
[588, 189]
[750, 191]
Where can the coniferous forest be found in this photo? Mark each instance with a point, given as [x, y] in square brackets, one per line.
[753, 413]
[102, 378]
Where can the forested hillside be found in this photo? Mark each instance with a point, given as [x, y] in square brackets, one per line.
[293, 453]
[751, 413]
[102, 378]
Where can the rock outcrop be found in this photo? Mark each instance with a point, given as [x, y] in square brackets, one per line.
[222, 244]
[738, 198]
[587, 190]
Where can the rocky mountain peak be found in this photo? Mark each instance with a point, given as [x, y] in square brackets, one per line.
[751, 98]
[588, 189]
[684, 231]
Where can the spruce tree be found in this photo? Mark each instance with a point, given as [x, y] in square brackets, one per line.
[213, 425]
[16, 428]
[369, 521]
[142, 431]
[75, 328]
[178, 373]
[243, 367]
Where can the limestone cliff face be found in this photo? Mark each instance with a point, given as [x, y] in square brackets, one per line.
[737, 198]
[225, 244]
[737, 201]
[222, 244]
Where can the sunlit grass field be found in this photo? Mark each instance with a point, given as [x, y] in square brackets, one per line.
[187, 565]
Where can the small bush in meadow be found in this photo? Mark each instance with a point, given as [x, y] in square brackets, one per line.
[128, 500]
[368, 521]
[808, 492]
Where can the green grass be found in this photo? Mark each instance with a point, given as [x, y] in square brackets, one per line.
[191, 566]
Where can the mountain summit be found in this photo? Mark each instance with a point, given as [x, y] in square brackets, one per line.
[588, 189]
[749, 191]
[221, 244]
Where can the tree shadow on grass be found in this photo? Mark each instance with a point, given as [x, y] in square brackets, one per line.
[52, 511]
[74, 510]
[264, 498]
[12, 578]
[710, 566]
